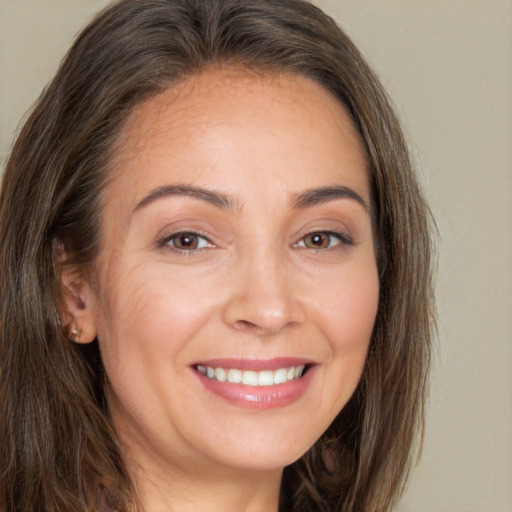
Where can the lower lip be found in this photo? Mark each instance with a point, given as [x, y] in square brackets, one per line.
[259, 397]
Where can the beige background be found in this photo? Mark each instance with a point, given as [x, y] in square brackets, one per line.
[448, 66]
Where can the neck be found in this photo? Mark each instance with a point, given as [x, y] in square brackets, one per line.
[208, 490]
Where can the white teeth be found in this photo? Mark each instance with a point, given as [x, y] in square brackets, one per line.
[235, 376]
[220, 374]
[265, 378]
[280, 376]
[250, 377]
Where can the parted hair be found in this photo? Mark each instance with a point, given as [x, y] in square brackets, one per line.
[57, 444]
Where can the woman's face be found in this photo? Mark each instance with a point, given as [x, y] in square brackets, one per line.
[237, 285]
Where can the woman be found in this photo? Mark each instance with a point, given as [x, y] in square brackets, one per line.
[216, 275]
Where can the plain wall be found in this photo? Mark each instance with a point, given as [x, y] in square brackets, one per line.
[448, 66]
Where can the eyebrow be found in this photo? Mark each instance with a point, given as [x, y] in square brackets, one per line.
[321, 195]
[210, 196]
[303, 200]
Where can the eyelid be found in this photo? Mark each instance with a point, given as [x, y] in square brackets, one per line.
[344, 239]
[163, 240]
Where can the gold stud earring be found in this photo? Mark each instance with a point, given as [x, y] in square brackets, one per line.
[75, 334]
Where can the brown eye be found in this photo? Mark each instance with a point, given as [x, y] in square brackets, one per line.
[187, 241]
[324, 240]
[317, 241]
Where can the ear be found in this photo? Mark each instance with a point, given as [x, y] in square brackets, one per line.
[77, 302]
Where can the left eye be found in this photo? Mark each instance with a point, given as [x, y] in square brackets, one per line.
[188, 241]
[322, 240]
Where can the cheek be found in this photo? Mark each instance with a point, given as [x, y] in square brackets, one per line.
[348, 306]
[153, 314]
[144, 339]
[347, 315]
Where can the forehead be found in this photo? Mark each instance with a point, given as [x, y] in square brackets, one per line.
[232, 117]
[239, 92]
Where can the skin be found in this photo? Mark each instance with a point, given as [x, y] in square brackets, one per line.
[259, 286]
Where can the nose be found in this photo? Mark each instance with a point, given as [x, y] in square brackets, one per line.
[264, 298]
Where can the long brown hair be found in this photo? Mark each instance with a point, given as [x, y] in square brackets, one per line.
[57, 445]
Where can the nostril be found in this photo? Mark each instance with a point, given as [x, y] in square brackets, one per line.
[256, 329]
[244, 324]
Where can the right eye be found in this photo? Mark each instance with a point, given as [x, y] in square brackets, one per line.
[187, 241]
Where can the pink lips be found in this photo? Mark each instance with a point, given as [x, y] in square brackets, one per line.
[258, 397]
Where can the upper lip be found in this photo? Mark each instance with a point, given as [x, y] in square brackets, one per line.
[255, 364]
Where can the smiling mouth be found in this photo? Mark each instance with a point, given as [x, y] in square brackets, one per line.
[251, 377]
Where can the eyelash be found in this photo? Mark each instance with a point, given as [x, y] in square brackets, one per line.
[165, 241]
[342, 238]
